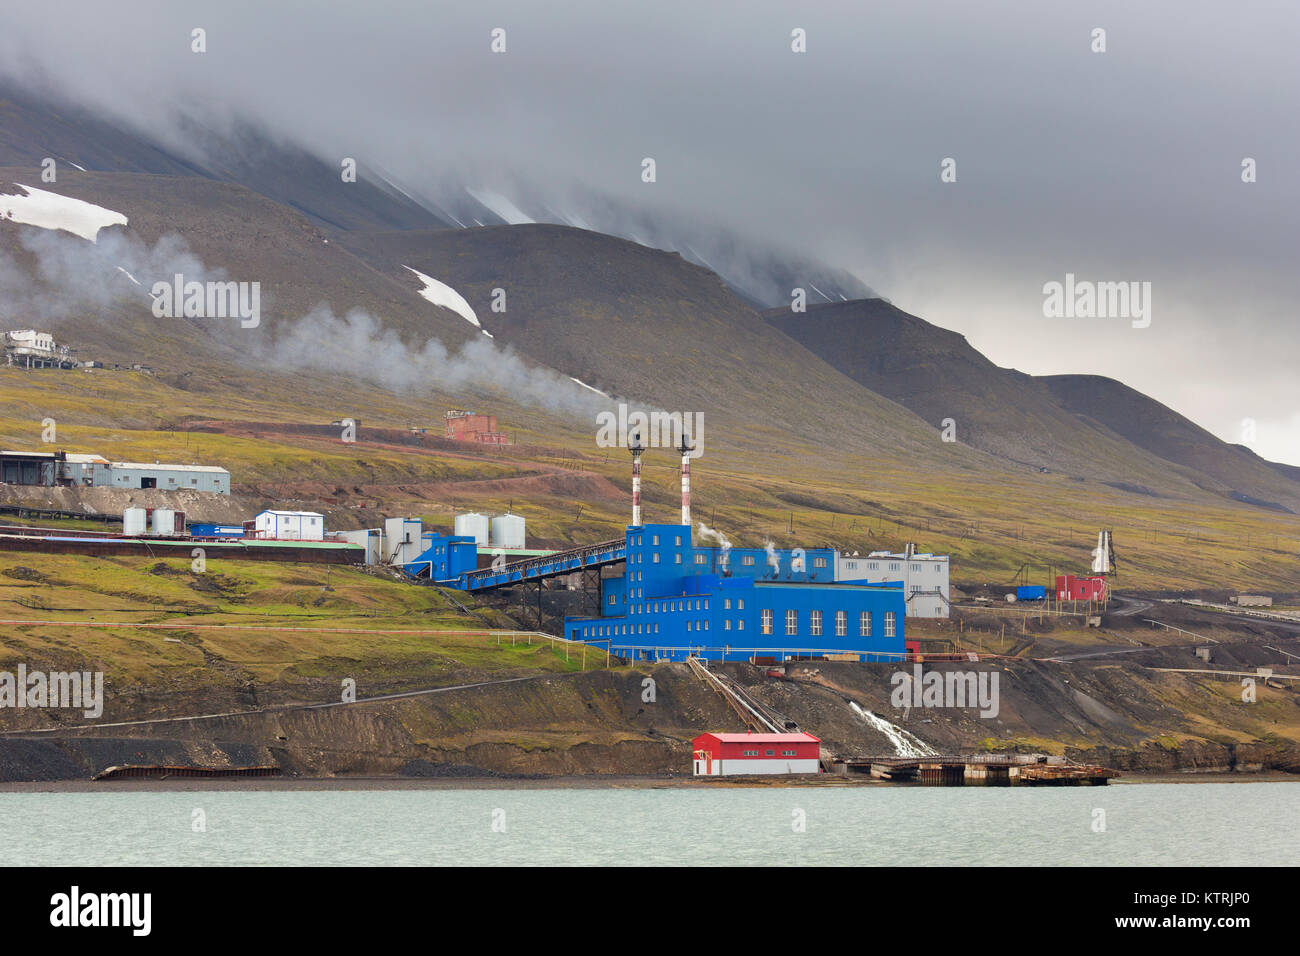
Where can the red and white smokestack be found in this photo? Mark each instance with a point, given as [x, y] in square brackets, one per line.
[686, 449]
[636, 448]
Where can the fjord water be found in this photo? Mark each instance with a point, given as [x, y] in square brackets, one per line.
[1201, 824]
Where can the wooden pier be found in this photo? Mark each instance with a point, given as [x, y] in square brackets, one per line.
[975, 770]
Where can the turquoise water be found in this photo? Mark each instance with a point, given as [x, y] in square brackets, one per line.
[1148, 824]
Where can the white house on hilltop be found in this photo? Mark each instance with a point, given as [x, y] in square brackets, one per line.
[30, 348]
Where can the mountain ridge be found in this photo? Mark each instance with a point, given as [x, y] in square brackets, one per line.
[1074, 422]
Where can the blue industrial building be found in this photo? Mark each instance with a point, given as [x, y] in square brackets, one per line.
[675, 599]
[446, 558]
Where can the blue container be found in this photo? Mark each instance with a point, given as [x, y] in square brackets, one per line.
[1031, 592]
[216, 531]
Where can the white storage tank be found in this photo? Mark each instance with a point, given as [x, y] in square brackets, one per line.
[473, 525]
[507, 531]
[134, 522]
[164, 521]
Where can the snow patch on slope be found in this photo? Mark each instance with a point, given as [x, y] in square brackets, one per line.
[587, 387]
[36, 207]
[439, 293]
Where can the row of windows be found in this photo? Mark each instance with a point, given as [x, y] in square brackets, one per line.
[656, 607]
[841, 623]
[770, 753]
[615, 630]
[815, 619]
[639, 540]
[748, 560]
[894, 566]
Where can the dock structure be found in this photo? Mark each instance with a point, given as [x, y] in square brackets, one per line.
[975, 770]
[156, 772]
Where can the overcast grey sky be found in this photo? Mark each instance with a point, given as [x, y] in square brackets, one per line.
[1115, 166]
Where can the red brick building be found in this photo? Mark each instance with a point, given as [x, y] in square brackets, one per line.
[470, 426]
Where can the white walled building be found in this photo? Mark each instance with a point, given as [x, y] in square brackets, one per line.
[134, 474]
[80, 470]
[30, 348]
[292, 525]
[924, 576]
[403, 540]
[32, 339]
[372, 539]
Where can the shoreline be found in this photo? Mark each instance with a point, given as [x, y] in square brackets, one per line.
[568, 782]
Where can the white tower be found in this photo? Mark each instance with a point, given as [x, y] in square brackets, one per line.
[686, 450]
[637, 449]
[1103, 556]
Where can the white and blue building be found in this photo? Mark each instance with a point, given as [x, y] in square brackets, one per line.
[675, 600]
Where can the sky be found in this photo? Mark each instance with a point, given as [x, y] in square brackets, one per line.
[1115, 165]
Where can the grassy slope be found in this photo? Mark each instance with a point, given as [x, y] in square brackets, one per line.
[245, 624]
[990, 522]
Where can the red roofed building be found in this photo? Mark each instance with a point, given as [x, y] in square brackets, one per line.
[726, 754]
[1071, 588]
